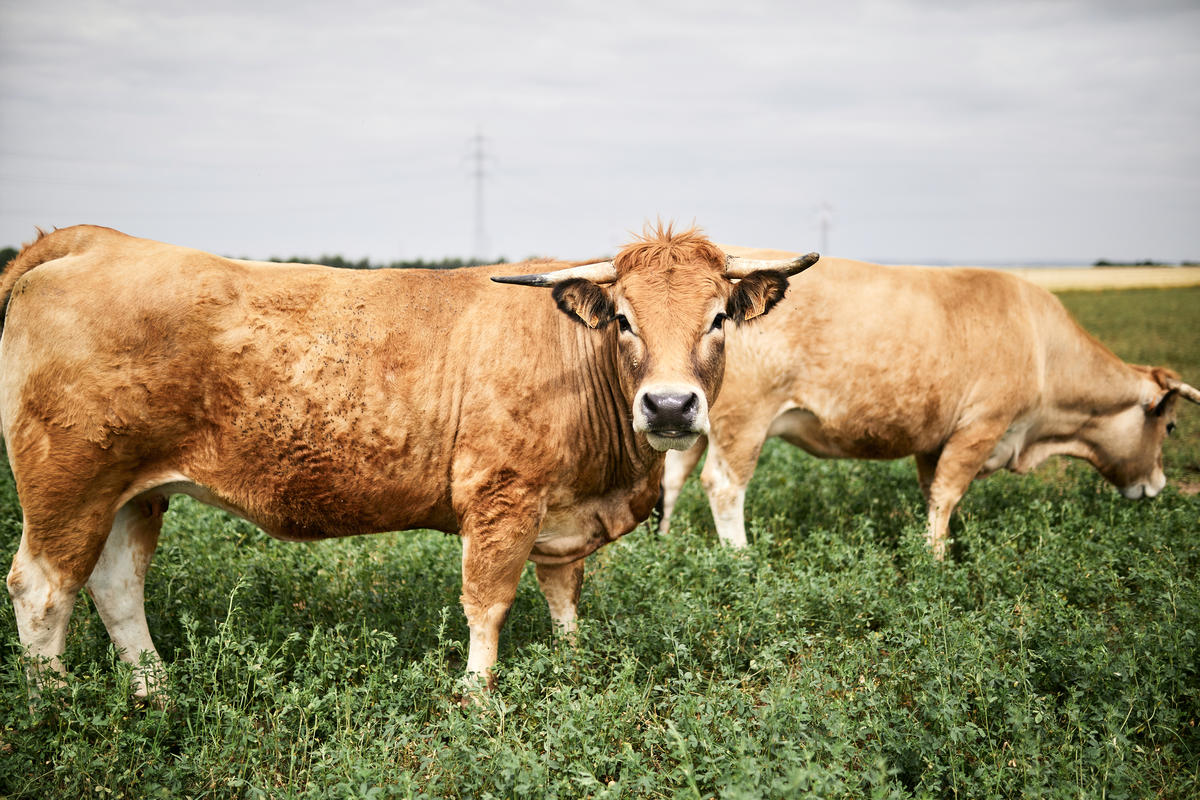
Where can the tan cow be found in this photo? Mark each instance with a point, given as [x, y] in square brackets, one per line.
[319, 402]
[968, 370]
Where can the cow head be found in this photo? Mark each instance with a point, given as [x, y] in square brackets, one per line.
[1128, 443]
[665, 300]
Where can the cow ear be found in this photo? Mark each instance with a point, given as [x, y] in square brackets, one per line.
[584, 302]
[755, 295]
[1158, 406]
[1165, 378]
[1166, 383]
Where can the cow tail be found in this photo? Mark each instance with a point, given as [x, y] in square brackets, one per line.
[46, 247]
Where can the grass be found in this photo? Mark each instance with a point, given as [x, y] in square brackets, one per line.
[1055, 655]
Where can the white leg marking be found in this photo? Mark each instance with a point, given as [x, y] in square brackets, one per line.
[728, 508]
[489, 587]
[676, 468]
[726, 498]
[485, 641]
[938, 533]
[117, 586]
[42, 606]
[561, 584]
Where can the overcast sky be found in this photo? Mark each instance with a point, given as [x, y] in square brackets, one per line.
[976, 132]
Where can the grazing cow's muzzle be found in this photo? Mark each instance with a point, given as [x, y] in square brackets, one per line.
[1145, 488]
[672, 416]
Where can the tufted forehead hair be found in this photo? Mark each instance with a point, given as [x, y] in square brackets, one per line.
[659, 248]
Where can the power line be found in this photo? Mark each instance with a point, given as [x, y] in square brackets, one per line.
[479, 156]
[824, 223]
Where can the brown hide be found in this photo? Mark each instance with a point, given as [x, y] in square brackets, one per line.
[969, 370]
[319, 402]
[315, 402]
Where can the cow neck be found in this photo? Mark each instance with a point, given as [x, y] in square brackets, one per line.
[1093, 381]
[1087, 383]
[608, 415]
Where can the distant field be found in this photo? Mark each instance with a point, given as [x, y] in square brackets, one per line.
[1056, 279]
[1064, 279]
[1056, 654]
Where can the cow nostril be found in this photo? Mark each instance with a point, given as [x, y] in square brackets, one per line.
[671, 409]
[691, 405]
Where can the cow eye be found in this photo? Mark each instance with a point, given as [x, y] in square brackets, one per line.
[623, 324]
[1170, 428]
[718, 322]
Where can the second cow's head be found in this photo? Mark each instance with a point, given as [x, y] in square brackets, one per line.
[666, 298]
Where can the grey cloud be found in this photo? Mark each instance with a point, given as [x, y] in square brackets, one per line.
[953, 130]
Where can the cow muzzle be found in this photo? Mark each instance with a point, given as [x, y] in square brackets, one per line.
[1145, 488]
[672, 416]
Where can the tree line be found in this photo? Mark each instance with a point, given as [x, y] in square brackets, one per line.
[420, 263]
[7, 254]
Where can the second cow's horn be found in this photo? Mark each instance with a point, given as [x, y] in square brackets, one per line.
[736, 267]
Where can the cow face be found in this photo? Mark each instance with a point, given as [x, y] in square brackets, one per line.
[665, 301]
[1128, 443]
[670, 340]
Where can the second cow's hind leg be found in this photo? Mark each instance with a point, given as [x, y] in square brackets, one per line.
[117, 585]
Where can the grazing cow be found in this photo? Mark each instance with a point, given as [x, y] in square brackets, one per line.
[968, 370]
[319, 402]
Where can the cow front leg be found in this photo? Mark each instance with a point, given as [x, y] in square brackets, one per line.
[561, 584]
[676, 469]
[493, 558]
[962, 457]
[726, 473]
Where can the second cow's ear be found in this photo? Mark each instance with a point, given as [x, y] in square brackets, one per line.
[755, 295]
[1157, 405]
[584, 302]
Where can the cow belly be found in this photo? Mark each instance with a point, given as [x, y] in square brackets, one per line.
[857, 438]
[293, 518]
[801, 428]
[300, 484]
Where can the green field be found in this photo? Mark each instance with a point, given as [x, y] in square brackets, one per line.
[1055, 654]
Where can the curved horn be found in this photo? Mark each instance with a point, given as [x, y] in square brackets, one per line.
[736, 267]
[1185, 391]
[599, 272]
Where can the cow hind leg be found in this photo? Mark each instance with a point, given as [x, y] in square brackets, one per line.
[43, 598]
[117, 587]
[676, 469]
[51, 565]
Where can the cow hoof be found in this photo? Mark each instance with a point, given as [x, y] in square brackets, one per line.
[476, 689]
